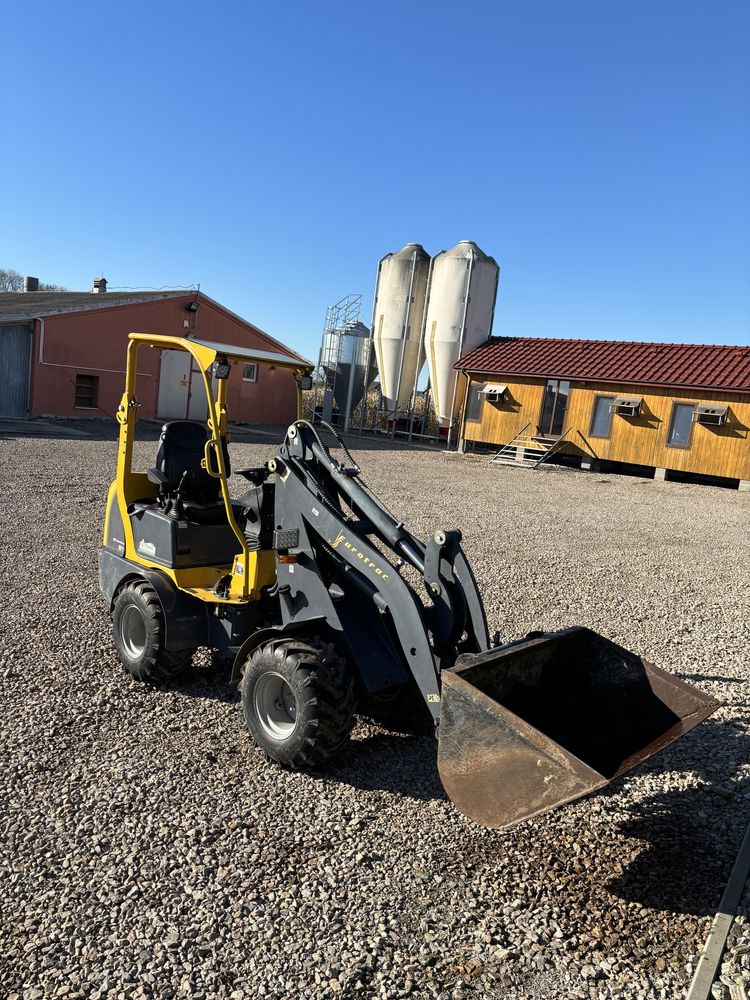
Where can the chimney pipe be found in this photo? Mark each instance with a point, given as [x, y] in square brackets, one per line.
[100, 285]
[30, 284]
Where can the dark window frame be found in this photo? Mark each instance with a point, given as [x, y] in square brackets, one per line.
[670, 427]
[554, 412]
[81, 390]
[475, 398]
[247, 378]
[608, 435]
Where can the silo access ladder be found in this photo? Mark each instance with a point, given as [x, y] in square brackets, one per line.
[529, 451]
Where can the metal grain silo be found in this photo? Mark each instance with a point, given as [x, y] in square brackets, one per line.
[397, 324]
[343, 358]
[458, 317]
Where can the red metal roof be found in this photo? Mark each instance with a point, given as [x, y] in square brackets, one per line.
[706, 366]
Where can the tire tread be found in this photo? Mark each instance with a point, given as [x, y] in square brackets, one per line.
[161, 665]
[327, 709]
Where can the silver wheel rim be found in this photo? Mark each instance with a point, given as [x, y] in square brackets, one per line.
[275, 706]
[133, 631]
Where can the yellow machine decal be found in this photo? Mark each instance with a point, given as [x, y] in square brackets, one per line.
[366, 561]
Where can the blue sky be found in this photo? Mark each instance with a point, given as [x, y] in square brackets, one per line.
[600, 150]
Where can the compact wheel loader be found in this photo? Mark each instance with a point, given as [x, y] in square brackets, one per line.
[321, 599]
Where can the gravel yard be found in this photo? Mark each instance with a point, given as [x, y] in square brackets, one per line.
[149, 850]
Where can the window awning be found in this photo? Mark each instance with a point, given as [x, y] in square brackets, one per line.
[494, 390]
[711, 410]
[631, 402]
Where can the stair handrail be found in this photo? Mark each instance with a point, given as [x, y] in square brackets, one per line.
[517, 436]
[550, 451]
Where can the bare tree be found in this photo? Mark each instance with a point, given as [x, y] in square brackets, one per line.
[12, 281]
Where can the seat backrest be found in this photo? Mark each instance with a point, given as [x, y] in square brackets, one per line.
[182, 448]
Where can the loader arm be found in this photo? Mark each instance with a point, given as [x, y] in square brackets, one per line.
[344, 545]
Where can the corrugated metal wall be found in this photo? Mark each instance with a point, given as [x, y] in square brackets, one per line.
[15, 369]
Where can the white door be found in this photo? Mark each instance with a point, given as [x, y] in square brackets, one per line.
[174, 385]
[181, 392]
[197, 406]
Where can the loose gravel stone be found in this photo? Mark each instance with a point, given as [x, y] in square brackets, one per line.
[150, 850]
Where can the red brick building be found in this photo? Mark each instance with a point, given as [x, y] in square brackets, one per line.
[63, 354]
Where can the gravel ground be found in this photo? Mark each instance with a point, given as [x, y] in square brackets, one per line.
[148, 849]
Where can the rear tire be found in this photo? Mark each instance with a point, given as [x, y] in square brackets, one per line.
[138, 628]
[298, 701]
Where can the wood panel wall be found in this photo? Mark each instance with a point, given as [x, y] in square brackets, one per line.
[642, 440]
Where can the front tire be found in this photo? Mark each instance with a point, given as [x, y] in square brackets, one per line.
[138, 629]
[298, 701]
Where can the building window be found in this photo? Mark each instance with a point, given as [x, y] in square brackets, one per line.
[554, 406]
[250, 373]
[681, 425]
[474, 403]
[87, 392]
[601, 417]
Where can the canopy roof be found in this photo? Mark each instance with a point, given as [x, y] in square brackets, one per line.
[207, 351]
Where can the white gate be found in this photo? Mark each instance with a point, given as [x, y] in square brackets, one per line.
[181, 392]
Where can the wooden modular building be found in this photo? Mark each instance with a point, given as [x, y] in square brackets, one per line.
[668, 407]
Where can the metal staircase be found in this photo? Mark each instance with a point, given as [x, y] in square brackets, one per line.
[528, 451]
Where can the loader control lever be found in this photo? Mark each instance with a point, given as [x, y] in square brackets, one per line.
[175, 507]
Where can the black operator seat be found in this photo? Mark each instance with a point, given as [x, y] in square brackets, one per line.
[182, 446]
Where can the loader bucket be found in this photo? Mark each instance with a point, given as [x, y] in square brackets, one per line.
[529, 726]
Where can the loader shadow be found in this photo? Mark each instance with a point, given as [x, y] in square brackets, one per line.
[688, 835]
[402, 761]
[399, 764]
[691, 834]
[208, 682]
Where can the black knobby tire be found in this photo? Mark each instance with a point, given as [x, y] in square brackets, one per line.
[138, 628]
[313, 711]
